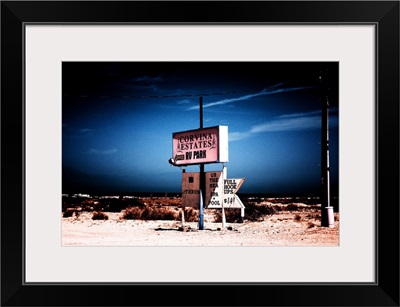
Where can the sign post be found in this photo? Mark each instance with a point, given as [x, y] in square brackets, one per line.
[202, 176]
[222, 203]
[201, 212]
[213, 189]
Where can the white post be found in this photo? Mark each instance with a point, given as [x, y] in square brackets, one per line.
[331, 217]
[183, 215]
[224, 176]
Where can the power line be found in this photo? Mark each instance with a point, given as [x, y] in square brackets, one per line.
[162, 96]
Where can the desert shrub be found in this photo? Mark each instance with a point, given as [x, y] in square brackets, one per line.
[132, 213]
[87, 208]
[218, 216]
[118, 204]
[164, 213]
[159, 213]
[276, 208]
[150, 213]
[292, 207]
[297, 218]
[311, 202]
[249, 203]
[65, 206]
[99, 215]
[254, 212]
[315, 216]
[191, 215]
[275, 201]
[231, 215]
[336, 218]
[68, 213]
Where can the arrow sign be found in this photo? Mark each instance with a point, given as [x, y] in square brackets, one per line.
[231, 186]
[230, 199]
[225, 194]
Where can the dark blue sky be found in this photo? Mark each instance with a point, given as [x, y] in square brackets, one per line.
[118, 119]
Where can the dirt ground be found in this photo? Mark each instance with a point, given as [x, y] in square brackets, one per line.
[301, 227]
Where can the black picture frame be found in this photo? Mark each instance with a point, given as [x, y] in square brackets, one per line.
[383, 14]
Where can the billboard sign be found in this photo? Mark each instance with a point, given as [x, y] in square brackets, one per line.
[207, 145]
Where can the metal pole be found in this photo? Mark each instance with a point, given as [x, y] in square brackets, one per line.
[202, 176]
[183, 207]
[201, 112]
[328, 184]
[325, 191]
[201, 212]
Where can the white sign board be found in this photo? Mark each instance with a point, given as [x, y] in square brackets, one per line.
[214, 190]
[225, 195]
[231, 186]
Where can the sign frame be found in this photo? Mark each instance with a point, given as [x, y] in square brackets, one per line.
[200, 146]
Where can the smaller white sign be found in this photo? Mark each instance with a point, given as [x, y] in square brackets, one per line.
[214, 190]
[229, 198]
[231, 186]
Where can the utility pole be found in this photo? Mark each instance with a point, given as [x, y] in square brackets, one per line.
[326, 209]
[202, 176]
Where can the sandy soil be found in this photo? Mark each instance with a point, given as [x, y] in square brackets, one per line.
[284, 228]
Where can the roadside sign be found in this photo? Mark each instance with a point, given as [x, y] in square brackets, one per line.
[200, 146]
[225, 195]
[220, 192]
[214, 190]
[191, 190]
[230, 199]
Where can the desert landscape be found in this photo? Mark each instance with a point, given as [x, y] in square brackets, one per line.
[157, 221]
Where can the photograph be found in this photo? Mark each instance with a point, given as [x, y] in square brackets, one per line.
[137, 137]
[232, 153]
